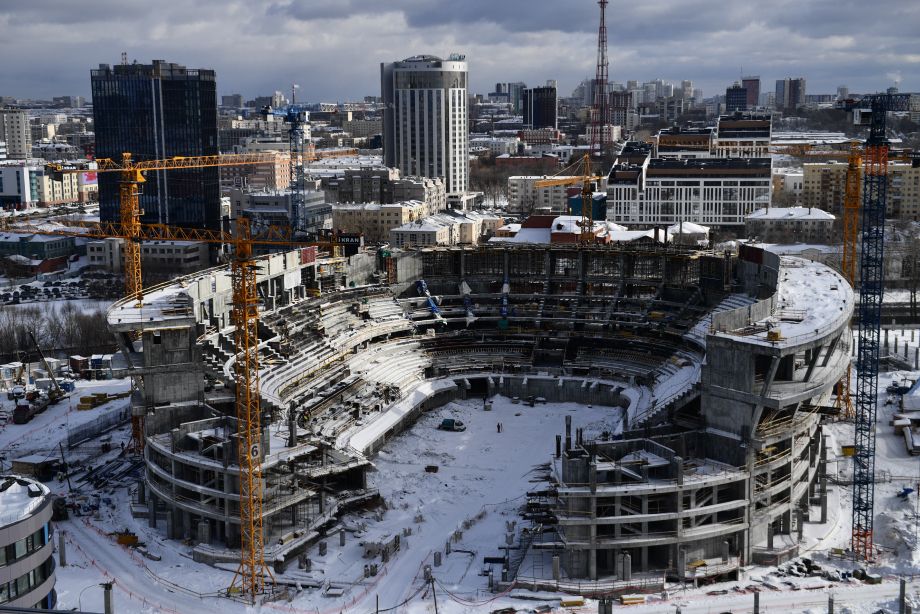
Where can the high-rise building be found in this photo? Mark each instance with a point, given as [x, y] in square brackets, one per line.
[752, 85]
[736, 98]
[425, 122]
[515, 93]
[790, 93]
[843, 92]
[234, 101]
[155, 111]
[16, 132]
[540, 107]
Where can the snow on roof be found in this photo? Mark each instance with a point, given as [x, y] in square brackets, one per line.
[687, 228]
[526, 235]
[19, 498]
[791, 213]
[625, 236]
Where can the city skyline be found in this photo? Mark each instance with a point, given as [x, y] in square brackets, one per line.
[333, 49]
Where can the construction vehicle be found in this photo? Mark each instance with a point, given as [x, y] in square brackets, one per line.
[586, 224]
[56, 393]
[450, 424]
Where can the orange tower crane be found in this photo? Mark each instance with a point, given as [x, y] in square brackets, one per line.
[848, 262]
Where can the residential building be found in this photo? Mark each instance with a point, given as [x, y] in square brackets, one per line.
[540, 107]
[736, 98]
[743, 135]
[233, 101]
[385, 186]
[234, 132]
[256, 177]
[25, 184]
[621, 106]
[710, 191]
[824, 186]
[425, 123]
[752, 87]
[790, 225]
[524, 197]
[363, 128]
[16, 132]
[448, 228]
[37, 246]
[539, 136]
[790, 94]
[161, 258]
[156, 111]
[3, 150]
[26, 540]
[375, 221]
[274, 207]
[678, 143]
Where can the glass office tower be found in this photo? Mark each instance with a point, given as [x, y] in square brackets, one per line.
[156, 111]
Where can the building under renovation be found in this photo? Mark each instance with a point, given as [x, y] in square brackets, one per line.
[713, 462]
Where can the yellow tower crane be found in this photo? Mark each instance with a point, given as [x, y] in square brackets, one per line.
[250, 577]
[587, 201]
[132, 176]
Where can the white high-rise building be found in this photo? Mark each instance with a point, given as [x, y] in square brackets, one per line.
[425, 124]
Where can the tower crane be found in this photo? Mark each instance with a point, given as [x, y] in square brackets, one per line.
[871, 292]
[848, 262]
[131, 177]
[250, 576]
[587, 201]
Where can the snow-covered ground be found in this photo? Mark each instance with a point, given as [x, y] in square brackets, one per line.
[479, 486]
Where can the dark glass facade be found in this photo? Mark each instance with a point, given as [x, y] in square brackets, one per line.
[157, 111]
[540, 107]
[735, 99]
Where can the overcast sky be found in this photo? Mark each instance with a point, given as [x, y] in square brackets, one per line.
[333, 48]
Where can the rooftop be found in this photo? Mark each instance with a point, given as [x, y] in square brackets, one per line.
[791, 213]
[19, 498]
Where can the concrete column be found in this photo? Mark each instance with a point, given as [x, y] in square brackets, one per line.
[756, 603]
[627, 567]
[902, 597]
[62, 548]
[770, 535]
[822, 472]
[108, 603]
[141, 491]
[152, 511]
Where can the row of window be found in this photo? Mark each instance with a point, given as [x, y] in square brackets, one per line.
[26, 582]
[26, 546]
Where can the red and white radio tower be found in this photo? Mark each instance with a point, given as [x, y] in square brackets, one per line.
[600, 115]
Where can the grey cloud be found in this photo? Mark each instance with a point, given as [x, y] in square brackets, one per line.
[333, 47]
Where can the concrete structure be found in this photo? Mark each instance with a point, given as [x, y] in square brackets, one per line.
[363, 127]
[743, 135]
[709, 191]
[26, 546]
[375, 221]
[790, 225]
[695, 486]
[425, 118]
[160, 258]
[16, 132]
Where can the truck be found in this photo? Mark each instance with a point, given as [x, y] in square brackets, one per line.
[450, 424]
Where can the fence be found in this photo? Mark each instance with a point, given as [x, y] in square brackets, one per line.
[110, 420]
